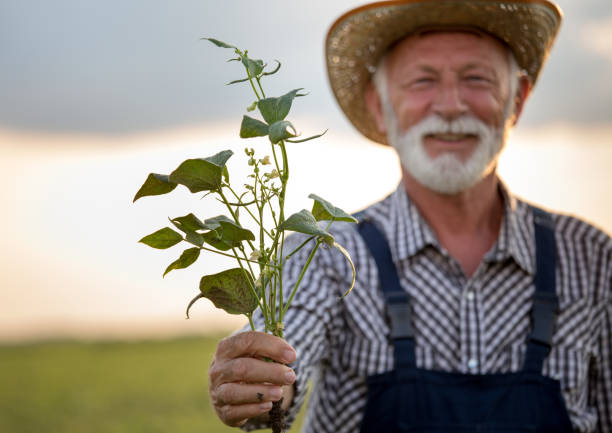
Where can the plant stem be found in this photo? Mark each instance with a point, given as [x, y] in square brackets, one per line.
[250, 316]
[240, 247]
[260, 88]
[252, 85]
[262, 275]
[220, 191]
[302, 245]
[273, 296]
[284, 177]
[280, 282]
[268, 199]
[251, 284]
[285, 173]
[272, 303]
[229, 255]
[275, 158]
[299, 280]
[249, 210]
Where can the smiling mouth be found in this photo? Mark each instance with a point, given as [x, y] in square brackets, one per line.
[451, 137]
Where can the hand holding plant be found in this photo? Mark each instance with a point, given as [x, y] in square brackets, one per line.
[257, 280]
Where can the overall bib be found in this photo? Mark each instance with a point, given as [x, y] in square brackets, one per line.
[411, 399]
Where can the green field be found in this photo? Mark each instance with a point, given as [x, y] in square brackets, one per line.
[108, 387]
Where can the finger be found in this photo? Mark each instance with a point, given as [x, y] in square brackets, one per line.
[242, 393]
[235, 416]
[255, 344]
[251, 370]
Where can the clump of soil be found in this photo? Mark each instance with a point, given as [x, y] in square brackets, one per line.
[277, 417]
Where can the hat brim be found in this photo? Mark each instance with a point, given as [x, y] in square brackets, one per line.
[358, 39]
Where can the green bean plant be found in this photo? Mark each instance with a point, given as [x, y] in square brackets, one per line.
[257, 280]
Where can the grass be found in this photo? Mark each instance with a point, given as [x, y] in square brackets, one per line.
[108, 387]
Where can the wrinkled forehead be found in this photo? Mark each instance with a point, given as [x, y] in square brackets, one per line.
[434, 38]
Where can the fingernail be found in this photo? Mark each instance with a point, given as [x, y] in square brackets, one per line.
[266, 406]
[275, 394]
[290, 377]
[289, 355]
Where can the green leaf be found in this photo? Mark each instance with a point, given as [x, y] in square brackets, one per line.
[219, 43]
[215, 222]
[215, 240]
[275, 69]
[230, 290]
[252, 128]
[304, 222]
[281, 130]
[275, 109]
[194, 238]
[322, 210]
[156, 184]
[185, 260]
[219, 159]
[189, 223]
[229, 230]
[252, 107]
[202, 174]
[255, 67]
[162, 239]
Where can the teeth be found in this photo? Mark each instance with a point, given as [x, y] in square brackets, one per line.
[450, 137]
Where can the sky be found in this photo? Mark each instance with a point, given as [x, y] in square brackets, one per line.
[95, 95]
[136, 65]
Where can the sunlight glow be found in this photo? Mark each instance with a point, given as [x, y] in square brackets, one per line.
[72, 264]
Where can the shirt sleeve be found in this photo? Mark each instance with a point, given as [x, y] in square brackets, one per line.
[602, 388]
[601, 381]
[307, 321]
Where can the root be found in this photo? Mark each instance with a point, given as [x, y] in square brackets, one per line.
[277, 417]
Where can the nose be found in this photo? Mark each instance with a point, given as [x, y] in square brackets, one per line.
[448, 102]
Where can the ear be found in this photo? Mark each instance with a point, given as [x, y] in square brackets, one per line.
[374, 106]
[523, 91]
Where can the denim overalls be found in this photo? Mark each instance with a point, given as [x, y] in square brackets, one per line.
[411, 399]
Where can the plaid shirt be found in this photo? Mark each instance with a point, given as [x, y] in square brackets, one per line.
[468, 325]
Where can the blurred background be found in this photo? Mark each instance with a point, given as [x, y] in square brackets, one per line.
[96, 95]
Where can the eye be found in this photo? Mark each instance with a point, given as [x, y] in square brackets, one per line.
[477, 79]
[421, 81]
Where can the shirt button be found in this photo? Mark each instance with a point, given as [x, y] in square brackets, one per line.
[472, 364]
[470, 295]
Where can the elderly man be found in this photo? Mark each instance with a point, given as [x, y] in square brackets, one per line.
[473, 310]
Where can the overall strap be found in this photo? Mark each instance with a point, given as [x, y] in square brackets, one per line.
[545, 302]
[397, 300]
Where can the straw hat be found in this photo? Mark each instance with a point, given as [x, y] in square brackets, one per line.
[359, 38]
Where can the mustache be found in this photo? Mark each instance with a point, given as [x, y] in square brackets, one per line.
[464, 125]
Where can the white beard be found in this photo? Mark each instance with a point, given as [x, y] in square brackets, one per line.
[447, 173]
